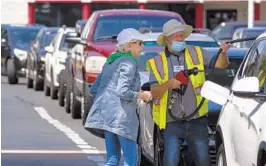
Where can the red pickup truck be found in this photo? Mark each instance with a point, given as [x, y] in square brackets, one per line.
[98, 40]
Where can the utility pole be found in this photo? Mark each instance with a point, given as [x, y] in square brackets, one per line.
[250, 13]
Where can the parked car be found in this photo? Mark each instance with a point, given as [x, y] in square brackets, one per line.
[150, 139]
[15, 43]
[225, 31]
[246, 33]
[55, 58]
[241, 129]
[98, 40]
[36, 58]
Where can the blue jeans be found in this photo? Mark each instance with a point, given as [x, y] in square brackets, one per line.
[195, 132]
[114, 143]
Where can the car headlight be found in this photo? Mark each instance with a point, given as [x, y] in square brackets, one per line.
[21, 54]
[94, 64]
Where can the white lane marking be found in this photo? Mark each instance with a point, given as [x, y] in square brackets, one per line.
[83, 145]
[47, 152]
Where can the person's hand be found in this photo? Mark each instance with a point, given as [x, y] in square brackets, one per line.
[180, 76]
[225, 46]
[145, 95]
[173, 83]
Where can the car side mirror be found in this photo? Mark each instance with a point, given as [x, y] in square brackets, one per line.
[248, 87]
[246, 84]
[49, 49]
[75, 40]
[72, 34]
[146, 86]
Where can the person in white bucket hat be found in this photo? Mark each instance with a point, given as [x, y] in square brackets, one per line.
[179, 113]
[116, 91]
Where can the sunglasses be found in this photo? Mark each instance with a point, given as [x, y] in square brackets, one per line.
[138, 42]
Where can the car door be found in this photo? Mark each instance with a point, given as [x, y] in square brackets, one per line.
[247, 109]
[5, 48]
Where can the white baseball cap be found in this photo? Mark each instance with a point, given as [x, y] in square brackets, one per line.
[128, 35]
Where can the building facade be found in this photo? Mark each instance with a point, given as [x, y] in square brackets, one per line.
[198, 13]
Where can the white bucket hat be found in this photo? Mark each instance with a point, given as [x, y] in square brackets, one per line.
[128, 35]
[171, 27]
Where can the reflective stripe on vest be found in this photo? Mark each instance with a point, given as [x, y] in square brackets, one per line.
[160, 106]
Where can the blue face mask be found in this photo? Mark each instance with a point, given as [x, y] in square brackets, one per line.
[178, 46]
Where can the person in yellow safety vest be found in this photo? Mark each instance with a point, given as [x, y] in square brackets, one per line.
[163, 68]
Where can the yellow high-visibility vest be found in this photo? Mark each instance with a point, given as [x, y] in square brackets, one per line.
[160, 106]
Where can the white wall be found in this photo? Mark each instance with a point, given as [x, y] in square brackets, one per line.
[14, 11]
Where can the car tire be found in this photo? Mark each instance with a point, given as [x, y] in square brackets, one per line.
[53, 89]
[37, 83]
[221, 158]
[46, 88]
[61, 91]
[68, 94]
[11, 72]
[75, 105]
[86, 103]
[29, 81]
[158, 152]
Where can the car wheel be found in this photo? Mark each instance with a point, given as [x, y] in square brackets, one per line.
[61, 91]
[46, 88]
[221, 158]
[158, 152]
[86, 103]
[75, 105]
[53, 89]
[37, 83]
[68, 94]
[11, 72]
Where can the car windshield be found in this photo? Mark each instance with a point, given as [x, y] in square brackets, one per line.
[112, 25]
[20, 37]
[252, 33]
[65, 46]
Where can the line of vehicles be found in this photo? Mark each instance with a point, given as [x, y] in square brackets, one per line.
[64, 62]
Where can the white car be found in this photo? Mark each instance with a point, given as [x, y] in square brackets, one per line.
[55, 59]
[241, 128]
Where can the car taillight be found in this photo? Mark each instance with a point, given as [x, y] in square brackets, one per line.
[94, 65]
[91, 77]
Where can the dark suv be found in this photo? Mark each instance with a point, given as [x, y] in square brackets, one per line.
[15, 43]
